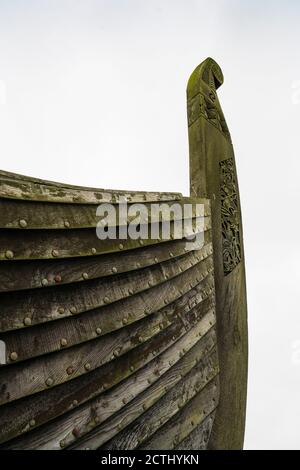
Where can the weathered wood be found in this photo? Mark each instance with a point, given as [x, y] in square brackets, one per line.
[52, 304]
[213, 175]
[43, 407]
[53, 244]
[32, 189]
[45, 338]
[186, 419]
[167, 407]
[24, 215]
[122, 403]
[24, 275]
[48, 371]
[198, 437]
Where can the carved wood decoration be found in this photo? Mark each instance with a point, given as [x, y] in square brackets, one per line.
[112, 344]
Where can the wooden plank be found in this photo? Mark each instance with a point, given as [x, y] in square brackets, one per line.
[31, 275]
[45, 338]
[33, 189]
[55, 303]
[24, 215]
[168, 406]
[121, 403]
[53, 244]
[46, 371]
[198, 437]
[43, 407]
[186, 419]
[213, 174]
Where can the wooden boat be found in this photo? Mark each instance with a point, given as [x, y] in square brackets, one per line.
[125, 344]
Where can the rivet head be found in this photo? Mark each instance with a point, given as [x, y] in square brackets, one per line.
[54, 253]
[57, 278]
[87, 366]
[131, 368]
[67, 224]
[9, 254]
[49, 382]
[94, 251]
[22, 223]
[140, 339]
[98, 331]
[44, 282]
[106, 300]
[75, 402]
[124, 401]
[142, 242]
[70, 370]
[61, 310]
[156, 260]
[32, 423]
[171, 254]
[121, 246]
[73, 310]
[27, 321]
[125, 321]
[63, 342]
[114, 270]
[13, 356]
[85, 276]
[144, 406]
[130, 291]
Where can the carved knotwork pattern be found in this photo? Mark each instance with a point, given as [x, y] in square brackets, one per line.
[230, 216]
[205, 106]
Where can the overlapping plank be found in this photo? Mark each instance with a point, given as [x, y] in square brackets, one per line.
[121, 404]
[47, 371]
[38, 306]
[24, 215]
[163, 410]
[68, 332]
[42, 407]
[54, 244]
[37, 273]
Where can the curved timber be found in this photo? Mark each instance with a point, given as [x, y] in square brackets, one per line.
[121, 343]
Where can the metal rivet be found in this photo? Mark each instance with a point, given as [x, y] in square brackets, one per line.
[73, 310]
[54, 253]
[61, 310]
[156, 260]
[141, 242]
[70, 370]
[63, 342]
[98, 331]
[49, 381]
[44, 282]
[171, 254]
[114, 270]
[121, 246]
[23, 223]
[140, 339]
[130, 291]
[131, 368]
[94, 251]
[124, 401]
[13, 356]
[125, 321]
[75, 403]
[27, 321]
[32, 423]
[87, 366]
[67, 224]
[144, 406]
[9, 254]
[106, 300]
[57, 278]
[85, 276]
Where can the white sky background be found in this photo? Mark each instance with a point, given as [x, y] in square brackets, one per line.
[93, 93]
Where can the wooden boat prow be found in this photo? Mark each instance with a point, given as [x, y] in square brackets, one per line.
[126, 343]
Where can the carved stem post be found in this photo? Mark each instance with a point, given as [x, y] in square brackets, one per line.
[213, 176]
